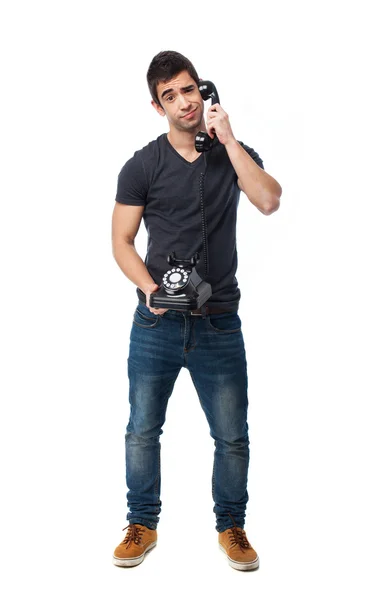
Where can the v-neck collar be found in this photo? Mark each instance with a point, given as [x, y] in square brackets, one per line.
[185, 161]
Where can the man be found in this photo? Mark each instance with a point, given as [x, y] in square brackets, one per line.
[160, 184]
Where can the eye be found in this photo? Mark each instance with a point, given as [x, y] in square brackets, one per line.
[169, 98]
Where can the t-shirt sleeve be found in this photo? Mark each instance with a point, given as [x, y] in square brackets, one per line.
[132, 185]
[253, 155]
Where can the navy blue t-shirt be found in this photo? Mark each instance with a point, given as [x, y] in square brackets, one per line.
[160, 179]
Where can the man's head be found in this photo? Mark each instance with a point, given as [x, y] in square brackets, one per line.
[173, 84]
[164, 66]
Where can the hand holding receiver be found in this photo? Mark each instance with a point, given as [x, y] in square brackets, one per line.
[218, 124]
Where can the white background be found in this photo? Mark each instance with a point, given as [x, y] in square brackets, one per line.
[301, 82]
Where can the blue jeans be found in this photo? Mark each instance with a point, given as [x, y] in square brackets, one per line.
[212, 349]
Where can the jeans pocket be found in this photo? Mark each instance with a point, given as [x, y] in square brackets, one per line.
[144, 318]
[224, 323]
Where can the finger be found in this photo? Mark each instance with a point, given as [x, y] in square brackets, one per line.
[154, 310]
[211, 131]
[215, 108]
[158, 311]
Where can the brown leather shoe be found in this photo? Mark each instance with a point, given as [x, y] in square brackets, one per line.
[137, 542]
[241, 555]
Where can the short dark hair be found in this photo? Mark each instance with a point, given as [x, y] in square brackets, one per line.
[166, 65]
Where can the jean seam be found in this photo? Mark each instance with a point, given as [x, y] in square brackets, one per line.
[213, 469]
[185, 332]
[158, 475]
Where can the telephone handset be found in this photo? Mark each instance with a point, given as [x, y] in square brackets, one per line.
[203, 142]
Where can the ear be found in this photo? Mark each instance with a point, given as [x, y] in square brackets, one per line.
[158, 108]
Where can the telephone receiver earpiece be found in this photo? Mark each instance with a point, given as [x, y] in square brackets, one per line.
[207, 89]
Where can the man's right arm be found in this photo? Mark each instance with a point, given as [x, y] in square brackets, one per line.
[126, 221]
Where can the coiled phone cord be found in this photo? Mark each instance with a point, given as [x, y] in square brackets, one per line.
[203, 219]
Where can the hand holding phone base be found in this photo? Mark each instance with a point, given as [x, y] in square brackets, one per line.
[182, 287]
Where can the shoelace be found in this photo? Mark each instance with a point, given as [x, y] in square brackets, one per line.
[238, 536]
[134, 534]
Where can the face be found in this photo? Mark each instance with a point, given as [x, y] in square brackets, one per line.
[181, 102]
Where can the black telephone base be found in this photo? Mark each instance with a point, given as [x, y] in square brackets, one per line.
[161, 299]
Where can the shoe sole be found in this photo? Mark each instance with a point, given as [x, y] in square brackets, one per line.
[132, 562]
[241, 566]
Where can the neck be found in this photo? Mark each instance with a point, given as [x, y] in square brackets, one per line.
[184, 140]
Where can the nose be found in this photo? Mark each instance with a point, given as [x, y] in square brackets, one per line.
[184, 102]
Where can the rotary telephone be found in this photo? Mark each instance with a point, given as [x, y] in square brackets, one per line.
[182, 287]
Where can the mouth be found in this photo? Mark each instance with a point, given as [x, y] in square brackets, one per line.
[189, 115]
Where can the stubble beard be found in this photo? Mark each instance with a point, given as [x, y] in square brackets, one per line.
[190, 127]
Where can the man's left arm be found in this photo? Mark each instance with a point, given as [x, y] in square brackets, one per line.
[260, 188]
